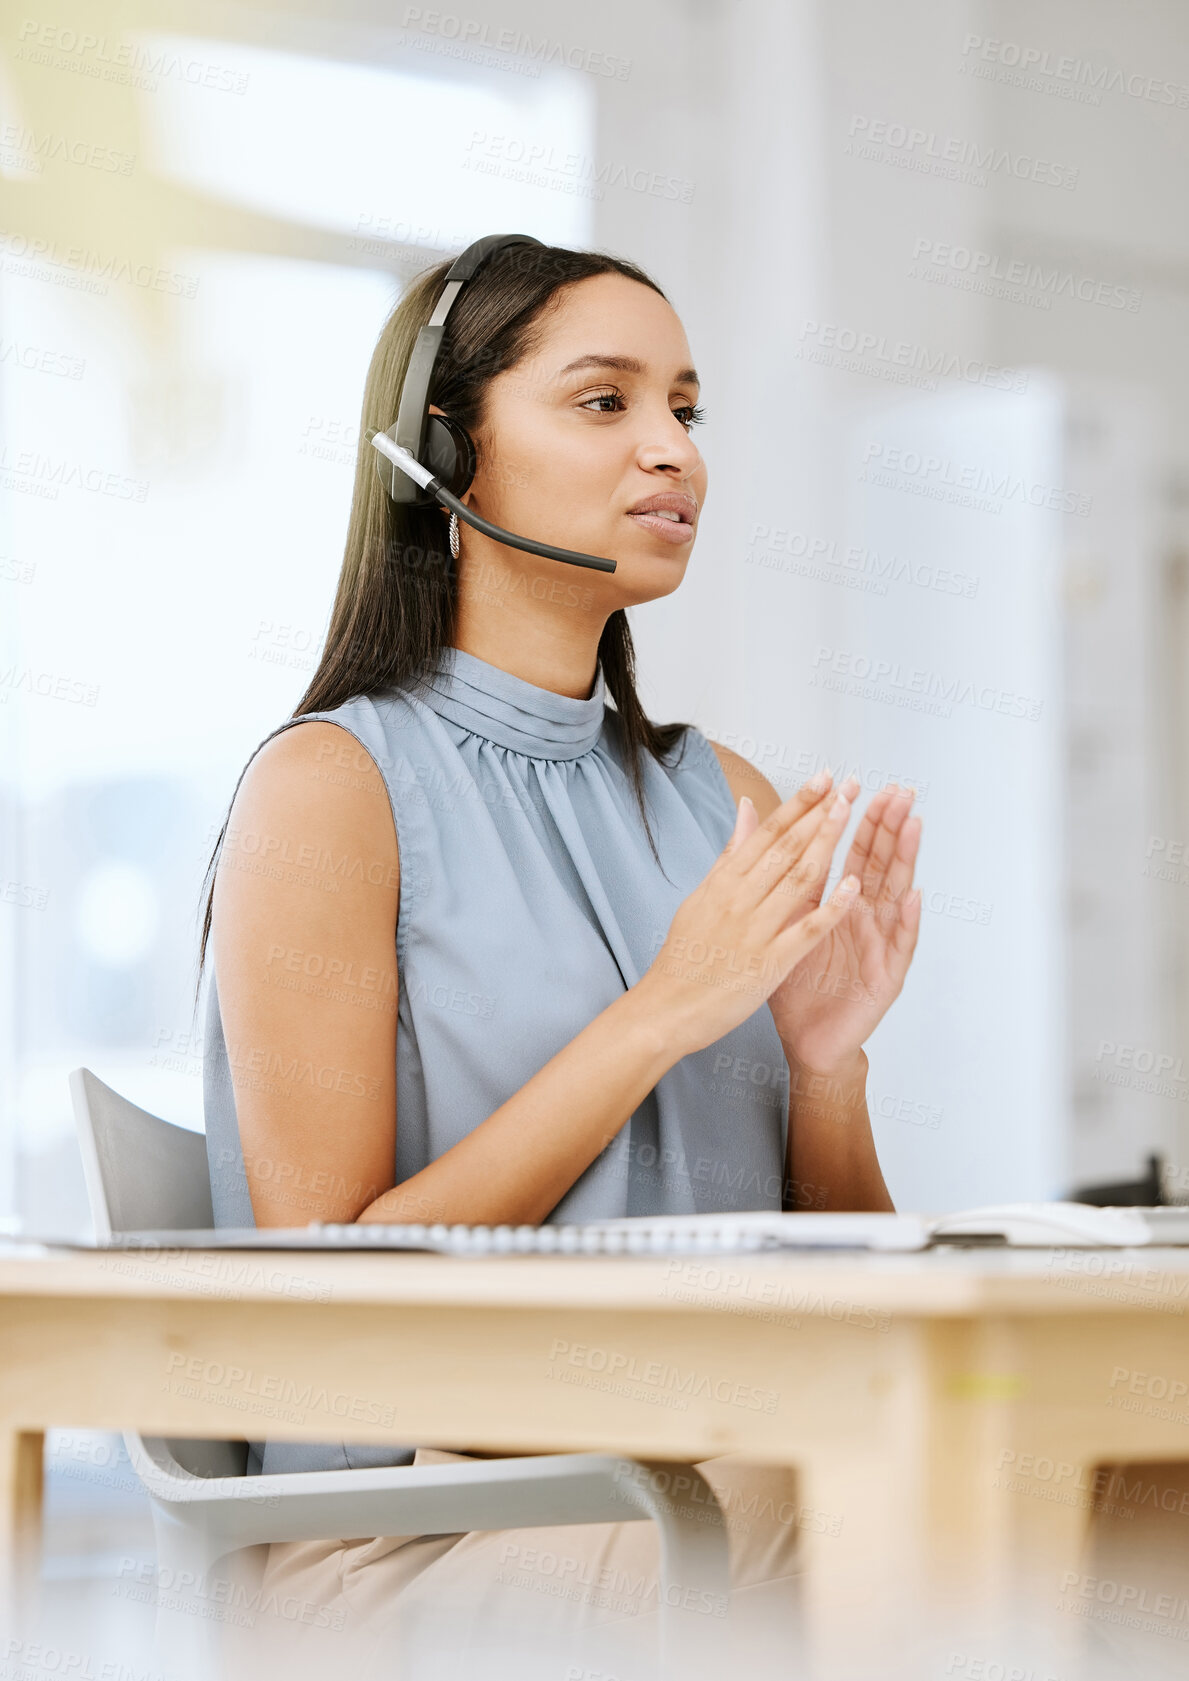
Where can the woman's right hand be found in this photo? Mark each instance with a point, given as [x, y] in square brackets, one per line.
[730, 944]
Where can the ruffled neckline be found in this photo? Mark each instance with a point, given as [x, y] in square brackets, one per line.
[513, 713]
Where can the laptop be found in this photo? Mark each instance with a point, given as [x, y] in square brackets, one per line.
[1036, 1225]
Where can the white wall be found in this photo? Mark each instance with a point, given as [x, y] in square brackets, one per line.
[803, 238]
[801, 233]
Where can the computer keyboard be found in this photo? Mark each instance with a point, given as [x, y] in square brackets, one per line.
[747, 1231]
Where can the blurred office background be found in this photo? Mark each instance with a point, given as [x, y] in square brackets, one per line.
[933, 262]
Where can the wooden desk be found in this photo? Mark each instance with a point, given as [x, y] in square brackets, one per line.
[946, 1410]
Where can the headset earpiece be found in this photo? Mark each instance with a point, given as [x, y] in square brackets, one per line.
[449, 453]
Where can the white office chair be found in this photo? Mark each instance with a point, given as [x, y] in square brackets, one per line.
[145, 1174]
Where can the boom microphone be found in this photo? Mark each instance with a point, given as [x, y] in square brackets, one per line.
[422, 476]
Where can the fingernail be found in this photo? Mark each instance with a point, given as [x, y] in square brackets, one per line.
[839, 806]
[818, 781]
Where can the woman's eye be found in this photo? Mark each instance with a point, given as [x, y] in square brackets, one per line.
[689, 414]
[604, 397]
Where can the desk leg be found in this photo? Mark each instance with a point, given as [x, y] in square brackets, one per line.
[997, 1544]
[864, 1589]
[21, 1485]
[1043, 1545]
[919, 1546]
[997, 1553]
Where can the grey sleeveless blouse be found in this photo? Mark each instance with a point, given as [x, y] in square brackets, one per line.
[529, 900]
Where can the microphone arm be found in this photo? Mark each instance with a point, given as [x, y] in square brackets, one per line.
[413, 469]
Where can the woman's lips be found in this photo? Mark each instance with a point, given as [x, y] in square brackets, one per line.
[672, 530]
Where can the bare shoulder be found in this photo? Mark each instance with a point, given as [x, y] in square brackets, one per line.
[744, 778]
[315, 779]
[305, 906]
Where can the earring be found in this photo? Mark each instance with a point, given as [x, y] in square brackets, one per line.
[454, 535]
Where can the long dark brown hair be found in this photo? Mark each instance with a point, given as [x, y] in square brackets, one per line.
[394, 608]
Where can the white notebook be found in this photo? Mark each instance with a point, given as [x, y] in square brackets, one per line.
[1030, 1225]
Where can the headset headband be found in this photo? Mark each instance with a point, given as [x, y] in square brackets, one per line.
[413, 411]
[426, 458]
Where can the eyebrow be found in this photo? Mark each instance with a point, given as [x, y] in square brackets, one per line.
[625, 365]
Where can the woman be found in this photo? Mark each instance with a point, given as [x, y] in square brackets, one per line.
[458, 893]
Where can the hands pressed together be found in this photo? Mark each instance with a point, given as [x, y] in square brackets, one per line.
[833, 998]
[759, 927]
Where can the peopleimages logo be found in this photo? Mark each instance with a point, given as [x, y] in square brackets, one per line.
[864, 351]
[26, 147]
[1033, 65]
[924, 150]
[936, 475]
[469, 33]
[517, 158]
[914, 686]
[263, 1386]
[825, 557]
[126, 63]
[661, 1374]
[938, 260]
[1134, 1604]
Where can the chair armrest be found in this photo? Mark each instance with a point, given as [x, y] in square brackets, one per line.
[199, 1519]
[512, 1493]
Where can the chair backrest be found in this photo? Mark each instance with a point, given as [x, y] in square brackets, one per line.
[142, 1173]
[145, 1174]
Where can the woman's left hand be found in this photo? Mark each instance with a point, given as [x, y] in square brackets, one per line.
[834, 998]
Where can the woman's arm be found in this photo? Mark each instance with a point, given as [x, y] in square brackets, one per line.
[307, 888]
[830, 1160]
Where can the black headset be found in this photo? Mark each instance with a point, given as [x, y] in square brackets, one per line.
[426, 458]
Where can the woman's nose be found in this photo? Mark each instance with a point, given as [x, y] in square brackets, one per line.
[671, 446]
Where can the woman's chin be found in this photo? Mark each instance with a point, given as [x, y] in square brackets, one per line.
[650, 555]
[640, 578]
[646, 567]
